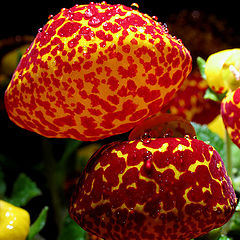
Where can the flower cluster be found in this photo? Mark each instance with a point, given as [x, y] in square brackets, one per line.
[99, 70]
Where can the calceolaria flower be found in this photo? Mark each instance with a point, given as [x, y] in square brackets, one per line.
[222, 70]
[154, 188]
[223, 76]
[98, 70]
[94, 71]
[230, 111]
[189, 101]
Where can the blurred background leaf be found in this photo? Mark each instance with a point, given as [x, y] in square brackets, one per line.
[24, 189]
[206, 135]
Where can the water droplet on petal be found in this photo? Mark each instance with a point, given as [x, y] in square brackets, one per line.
[146, 136]
[135, 6]
[84, 49]
[147, 157]
[94, 21]
[165, 28]
[40, 30]
[186, 136]
[148, 164]
[50, 16]
[167, 133]
[180, 41]
[155, 18]
[89, 13]
[146, 140]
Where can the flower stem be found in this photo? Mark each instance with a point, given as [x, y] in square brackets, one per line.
[228, 154]
[51, 177]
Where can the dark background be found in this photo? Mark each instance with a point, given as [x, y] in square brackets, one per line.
[26, 17]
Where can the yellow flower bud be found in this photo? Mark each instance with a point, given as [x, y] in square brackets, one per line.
[222, 70]
[14, 222]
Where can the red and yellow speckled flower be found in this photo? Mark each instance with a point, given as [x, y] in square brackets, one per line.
[166, 188]
[94, 71]
[230, 111]
[189, 101]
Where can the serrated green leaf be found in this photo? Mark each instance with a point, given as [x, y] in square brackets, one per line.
[24, 189]
[39, 224]
[201, 65]
[71, 230]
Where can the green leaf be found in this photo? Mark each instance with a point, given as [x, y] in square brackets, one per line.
[235, 222]
[210, 94]
[201, 65]
[206, 135]
[39, 224]
[71, 230]
[24, 189]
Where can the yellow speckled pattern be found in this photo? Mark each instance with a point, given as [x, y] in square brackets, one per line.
[94, 71]
[230, 111]
[166, 188]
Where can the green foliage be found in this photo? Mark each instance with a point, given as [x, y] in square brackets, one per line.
[206, 135]
[235, 222]
[210, 94]
[201, 65]
[224, 238]
[39, 224]
[24, 190]
[71, 230]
